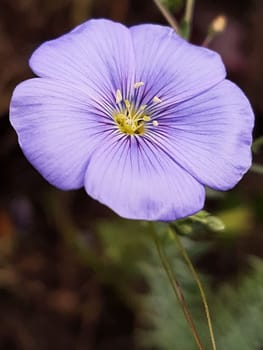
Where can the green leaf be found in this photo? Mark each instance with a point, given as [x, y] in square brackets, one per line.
[198, 224]
[236, 307]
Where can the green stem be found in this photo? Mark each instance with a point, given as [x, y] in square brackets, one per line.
[257, 144]
[189, 10]
[167, 15]
[257, 168]
[199, 284]
[177, 290]
[188, 17]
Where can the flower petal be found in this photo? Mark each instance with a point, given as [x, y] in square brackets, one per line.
[98, 53]
[58, 127]
[210, 135]
[171, 68]
[138, 181]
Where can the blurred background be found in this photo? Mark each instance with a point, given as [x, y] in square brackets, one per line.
[75, 276]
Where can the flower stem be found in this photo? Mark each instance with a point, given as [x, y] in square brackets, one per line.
[167, 15]
[257, 144]
[257, 168]
[177, 289]
[186, 25]
[189, 10]
[199, 284]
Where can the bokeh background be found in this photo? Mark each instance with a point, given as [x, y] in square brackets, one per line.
[75, 276]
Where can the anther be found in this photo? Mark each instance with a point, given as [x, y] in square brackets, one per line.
[156, 99]
[118, 96]
[146, 118]
[127, 104]
[155, 123]
[138, 84]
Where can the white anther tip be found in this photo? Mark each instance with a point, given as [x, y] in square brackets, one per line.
[118, 96]
[156, 99]
[138, 84]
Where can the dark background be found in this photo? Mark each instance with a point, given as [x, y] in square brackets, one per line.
[53, 295]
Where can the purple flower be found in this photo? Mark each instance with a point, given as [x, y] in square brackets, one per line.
[141, 118]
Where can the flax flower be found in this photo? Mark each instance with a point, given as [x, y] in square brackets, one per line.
[138, 116]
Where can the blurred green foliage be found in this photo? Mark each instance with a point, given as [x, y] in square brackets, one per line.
[173, 5]
[236, 311]
[236, 304]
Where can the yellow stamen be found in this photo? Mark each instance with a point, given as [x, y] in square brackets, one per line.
[131, 119]
[142, 108]
[146, 118]
[128, 105]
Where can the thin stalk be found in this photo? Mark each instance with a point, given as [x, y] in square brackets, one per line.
[208, 40]
[189, 10]
[257, 168]
[167, 15]
[178, 291]
[257, 144]
[188, 16]
[199, 284]
[217, 26]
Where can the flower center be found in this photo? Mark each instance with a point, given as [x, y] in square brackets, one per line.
[129, 120]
